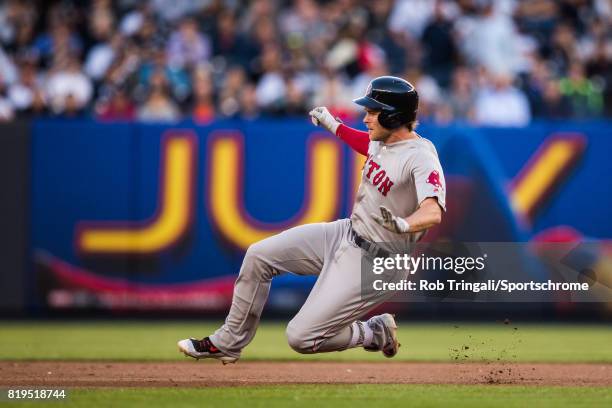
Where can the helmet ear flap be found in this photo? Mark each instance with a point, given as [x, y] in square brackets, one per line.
[388, 120]
[392, 120]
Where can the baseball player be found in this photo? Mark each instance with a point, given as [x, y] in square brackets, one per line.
[402, 194]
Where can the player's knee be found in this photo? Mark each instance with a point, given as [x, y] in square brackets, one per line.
[298, 339]
[255, 251]
[255, 262]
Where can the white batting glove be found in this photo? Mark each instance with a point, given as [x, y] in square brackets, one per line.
[320, 116]
[391, 222]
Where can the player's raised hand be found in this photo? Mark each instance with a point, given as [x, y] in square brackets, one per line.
[391, 222]
[320, 116]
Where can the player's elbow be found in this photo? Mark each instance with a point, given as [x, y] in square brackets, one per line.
[433, 211]
[436, 217]
[431, 216]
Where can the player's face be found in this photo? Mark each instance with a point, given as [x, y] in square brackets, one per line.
[375, 129]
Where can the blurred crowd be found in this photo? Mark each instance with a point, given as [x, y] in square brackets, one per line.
[488, 62]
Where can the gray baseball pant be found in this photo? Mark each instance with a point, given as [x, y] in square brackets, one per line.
[324, 322]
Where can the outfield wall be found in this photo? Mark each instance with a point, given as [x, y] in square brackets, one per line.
[157, 217]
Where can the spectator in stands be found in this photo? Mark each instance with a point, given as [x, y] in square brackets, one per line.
[257, 11]
[27, 94]
[461, 97]
[229, 44]
[490, 39]
[374, 65]
[264, 36]
[8, 71]
[116, 107]
[102, 56]
[17, 25]
[429, 92]
[271, 87]
[501, 104]
[173, 10]
[295, 101]
[554, 105]
[563, 48]
[394, 44]
[187, 46]
[72, 107]
[248, 103]
[127, 60]
[537, 17]
[599, 68]
[67, 86]
[535, 85]
[440, 52]
[331, 93]
[293, 53]
[301, 22]
[158, 106]
[176, 77]
[412, 16]
[58, 44]
[229, 98]
[101, 22]
[585, 95]
[203, 110]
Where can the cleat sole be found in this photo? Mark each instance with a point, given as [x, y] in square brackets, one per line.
[224, 359]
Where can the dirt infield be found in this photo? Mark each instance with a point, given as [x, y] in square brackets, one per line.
[214, 374]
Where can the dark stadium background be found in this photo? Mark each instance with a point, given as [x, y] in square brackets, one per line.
[90, 91]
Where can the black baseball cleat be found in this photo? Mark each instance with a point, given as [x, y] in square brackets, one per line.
[203, 349]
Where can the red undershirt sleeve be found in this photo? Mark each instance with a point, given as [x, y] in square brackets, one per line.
[357, 139]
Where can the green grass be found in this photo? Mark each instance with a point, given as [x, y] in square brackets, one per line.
[343, 396]
[156, 341]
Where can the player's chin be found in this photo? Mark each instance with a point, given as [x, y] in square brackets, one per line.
[374, 137]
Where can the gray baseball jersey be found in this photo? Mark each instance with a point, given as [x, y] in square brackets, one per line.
[399, 176]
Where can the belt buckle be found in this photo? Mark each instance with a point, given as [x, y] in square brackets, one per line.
[373, 249]
[370, 247]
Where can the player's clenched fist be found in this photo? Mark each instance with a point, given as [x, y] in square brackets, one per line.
[321, 117]
[391, 222]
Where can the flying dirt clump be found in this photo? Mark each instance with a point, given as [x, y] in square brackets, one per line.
[498, 359]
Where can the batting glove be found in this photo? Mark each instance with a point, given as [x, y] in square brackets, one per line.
[320, 116]
[391, 222]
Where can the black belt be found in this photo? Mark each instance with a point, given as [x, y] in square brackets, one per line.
[369, 247]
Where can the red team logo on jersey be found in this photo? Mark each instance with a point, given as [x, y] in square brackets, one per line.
[434, 180]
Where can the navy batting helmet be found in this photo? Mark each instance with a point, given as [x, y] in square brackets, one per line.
[395, 97]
